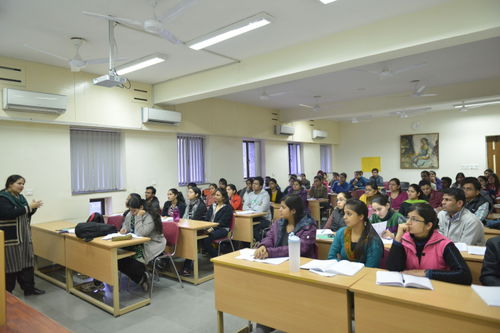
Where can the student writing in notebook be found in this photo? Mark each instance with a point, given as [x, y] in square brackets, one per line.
[358, 241]
[419, 249]
[382, 212]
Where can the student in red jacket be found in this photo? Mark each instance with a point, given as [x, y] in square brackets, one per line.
[234, 198]
[419, 249]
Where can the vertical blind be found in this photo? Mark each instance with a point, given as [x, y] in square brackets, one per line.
[295, 158]
[325, 152]
[96, 163]
[251, 159]
[191, 159]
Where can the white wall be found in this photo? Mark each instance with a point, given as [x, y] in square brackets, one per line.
[462, 140]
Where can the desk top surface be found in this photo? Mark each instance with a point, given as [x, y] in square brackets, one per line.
[447, 297]
[317, 199]
[256, 214]
[195, 224]
[283, 270]
[491, 231]
[53, 226]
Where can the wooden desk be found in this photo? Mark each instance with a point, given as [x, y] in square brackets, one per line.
[490, 233]
[449, 307]
[271, 295]
[49, 244]
[23, 318]
[333, 199]
[276, 211]
[323, 247]
[475, 264]
[187, 247]
[314, 207]
[243, 227]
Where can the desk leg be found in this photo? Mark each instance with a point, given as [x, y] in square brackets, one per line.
[116, 282]
[195, 259]
[220, 322]
[69, 279]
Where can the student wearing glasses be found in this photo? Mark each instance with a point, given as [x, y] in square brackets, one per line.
[414, 197]
[371, 190]
[419, 249]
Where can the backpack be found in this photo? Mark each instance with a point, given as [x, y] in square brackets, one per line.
[96, 217]
[89, 230]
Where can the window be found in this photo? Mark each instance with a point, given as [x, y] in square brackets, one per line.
[97, 206]
[96, 161]
[251, 158]
[325, 152]
[295, 158]
[191, 159]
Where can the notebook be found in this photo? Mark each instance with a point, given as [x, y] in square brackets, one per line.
[490, 295]
[333, 267]
[247, 254]
[398, 279]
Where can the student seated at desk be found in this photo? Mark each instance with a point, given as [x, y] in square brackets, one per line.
[258, 201]
[142, 220]
[295, 220]
[175, 200]
[419, 249]
[274, 191]
[371, 190]
[382, 212]
[358, 241]
[490, 273]
[341, 185]
[234, 198]
[298, 190]
[336, 220]
[414, 197]
[210, 199]
[136, 195]
[396, 196]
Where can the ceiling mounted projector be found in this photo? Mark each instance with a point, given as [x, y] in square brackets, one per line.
[110, 80]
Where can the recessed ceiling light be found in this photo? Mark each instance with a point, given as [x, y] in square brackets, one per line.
[476, 104]
[141, 63]
[231, 31]
[326, 2]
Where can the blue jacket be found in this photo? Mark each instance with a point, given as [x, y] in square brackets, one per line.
[361, 183]
[338, 188]
[373, 254]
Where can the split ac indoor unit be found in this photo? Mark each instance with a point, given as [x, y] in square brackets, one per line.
[150, 115]
[284, 130]
[31, 101]
[317, 134]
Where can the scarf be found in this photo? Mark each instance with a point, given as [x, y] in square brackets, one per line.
[347, 244]
[19, 202]
[412, 202]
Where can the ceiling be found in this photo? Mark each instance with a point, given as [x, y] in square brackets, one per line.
[50, 24]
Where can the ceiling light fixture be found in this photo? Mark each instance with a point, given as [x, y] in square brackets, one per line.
[354, 120]
[230, 31]
[476, 104]
[326, 2]
[141, 63]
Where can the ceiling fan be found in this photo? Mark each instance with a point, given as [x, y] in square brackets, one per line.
[76, 63]
[265, 96]
[410, 113]
[419, 90]
[388, 72]
[153, 25]
[316, 107]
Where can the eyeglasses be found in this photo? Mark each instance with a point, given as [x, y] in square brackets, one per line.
[414, 219]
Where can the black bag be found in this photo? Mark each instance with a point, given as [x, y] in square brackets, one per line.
[89, 230]
[96, 217]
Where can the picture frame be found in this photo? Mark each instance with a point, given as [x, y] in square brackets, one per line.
[419, 151]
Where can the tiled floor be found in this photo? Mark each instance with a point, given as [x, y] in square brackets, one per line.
[173, 309]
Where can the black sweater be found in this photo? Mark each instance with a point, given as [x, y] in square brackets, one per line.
[224, 216]
[490, 273]
[459, 271]
[180, 205]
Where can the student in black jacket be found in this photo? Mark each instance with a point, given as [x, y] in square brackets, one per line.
[175, 200]
[490, 273]
[274, 191]
[221, 212]
[195, 210]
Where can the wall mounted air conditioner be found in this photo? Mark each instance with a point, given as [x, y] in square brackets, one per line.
[317, 134]
[150, 115]
[284, 130]
[31, 101]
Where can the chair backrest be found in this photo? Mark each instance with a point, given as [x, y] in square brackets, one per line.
[171, 232]
[357, 193]
[116, 220]
[383, 261]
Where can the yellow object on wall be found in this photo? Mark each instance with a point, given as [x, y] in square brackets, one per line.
[368, 163]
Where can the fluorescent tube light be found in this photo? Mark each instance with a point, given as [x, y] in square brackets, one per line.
[326, 2]
[231, 31]
[141, 63]
[476, 104]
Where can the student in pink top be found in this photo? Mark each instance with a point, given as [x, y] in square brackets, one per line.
[396, 196]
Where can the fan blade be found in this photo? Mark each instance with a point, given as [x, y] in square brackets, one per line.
[428, 95]
[122, 20]
[420, 90]
[47, 52]
[165, 34]
[177, 10]
[278, 93]
[98, 61]
[306, 106]
[409, 68]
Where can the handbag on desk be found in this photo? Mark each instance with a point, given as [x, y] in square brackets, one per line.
[11, 231]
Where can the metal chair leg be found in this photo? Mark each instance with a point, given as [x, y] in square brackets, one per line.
[176, 272]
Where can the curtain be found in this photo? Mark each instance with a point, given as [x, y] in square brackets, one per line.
[191, 159]
[326, 157]
[295, 158]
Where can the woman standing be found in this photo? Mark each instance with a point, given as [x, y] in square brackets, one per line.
[144, 221]
[19, 257]
[414, 196]
[175, 200]
[358, 241]
[336, 220]
[396, 197]
[234, 197]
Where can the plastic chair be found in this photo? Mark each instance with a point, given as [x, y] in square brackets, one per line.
[228, 238]
[116, 220]
[171, 233]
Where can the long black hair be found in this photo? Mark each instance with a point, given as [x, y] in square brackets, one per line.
[368, 235]
[138, 203]
[179, 196]
[223, 192]
[11, 180]
[294, 201]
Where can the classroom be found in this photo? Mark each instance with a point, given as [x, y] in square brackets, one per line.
[349, 79]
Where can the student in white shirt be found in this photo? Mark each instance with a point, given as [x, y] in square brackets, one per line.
[258, 201]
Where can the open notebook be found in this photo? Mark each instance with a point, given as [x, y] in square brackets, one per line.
[333, 267]
[398, 279]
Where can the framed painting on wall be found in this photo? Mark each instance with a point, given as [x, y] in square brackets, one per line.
[419, 151]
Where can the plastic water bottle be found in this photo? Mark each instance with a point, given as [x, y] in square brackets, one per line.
[294, 252]
[176, 214]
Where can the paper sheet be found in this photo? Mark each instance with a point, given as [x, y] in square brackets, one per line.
[167, 219]
[380, 227]
[324, 232]
[245, 212]
[117, 234]
[477, 250]
[461, 246]
[490, 295]
[247, 254]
